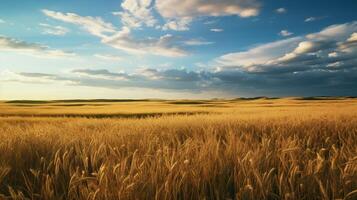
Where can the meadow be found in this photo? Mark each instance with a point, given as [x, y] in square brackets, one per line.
[260, 148]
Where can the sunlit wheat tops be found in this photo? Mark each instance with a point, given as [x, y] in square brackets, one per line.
[261, 149]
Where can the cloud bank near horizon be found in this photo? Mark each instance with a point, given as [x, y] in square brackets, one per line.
[325, 61]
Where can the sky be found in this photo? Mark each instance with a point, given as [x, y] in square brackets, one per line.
[177, 49]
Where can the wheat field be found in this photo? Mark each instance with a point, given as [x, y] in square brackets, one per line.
[154, 149]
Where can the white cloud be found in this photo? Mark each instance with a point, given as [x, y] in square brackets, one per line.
[281, 10]
[94, 25]
[2, 21]
[310, 19]
[163, 46]
[178, 25]
[333, 55]
[123, 40]
[260, 54]
[322, 63]
[302, 48]
[197, 42]
[137, 13]
[334, 32]
[195, 8]
[353, 38]
[335, 64]
[102, 74]
[178, 14]
[108, 57]
[10, 44]
[285, 33]
[305, 47]
[216, 30]
[313, 51]
[350, 45]
[174, 11]
[54, 30]
[29, 77]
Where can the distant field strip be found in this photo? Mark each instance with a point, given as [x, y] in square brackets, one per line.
[104, 115]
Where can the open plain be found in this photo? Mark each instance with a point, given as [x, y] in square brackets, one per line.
[260, 148]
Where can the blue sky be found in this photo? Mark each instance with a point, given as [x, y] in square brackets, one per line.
[177, 48]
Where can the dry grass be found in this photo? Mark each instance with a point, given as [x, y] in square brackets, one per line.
[261, 149]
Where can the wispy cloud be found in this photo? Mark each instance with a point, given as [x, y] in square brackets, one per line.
[312, 19]
[108, 57]
[11, 44]
[122, 39]
[216, 30]
[94, 25]
[163, 46]
[30, 77]
[102, 74]
[197, 42]
[54, 30]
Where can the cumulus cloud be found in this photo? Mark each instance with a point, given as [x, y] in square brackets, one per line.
[316, 51]
[54, 30]
[136, 13]
[281, 10]
[178, 24]
[194, 8]
[353, 38]
[94, 25]
[2, 21]
[11, 44]
[179, 13]
[285, 33]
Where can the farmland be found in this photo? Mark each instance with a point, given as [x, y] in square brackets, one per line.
[260, 148]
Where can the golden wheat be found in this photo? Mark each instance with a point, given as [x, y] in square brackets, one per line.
[263, 149]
